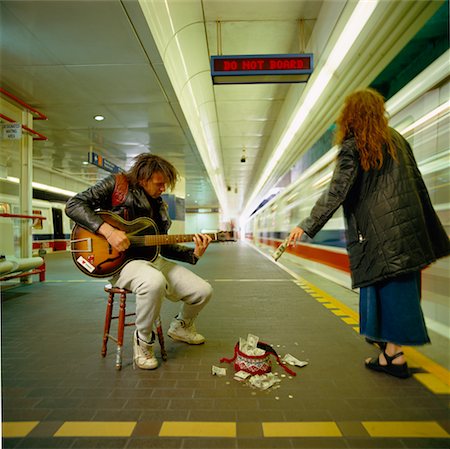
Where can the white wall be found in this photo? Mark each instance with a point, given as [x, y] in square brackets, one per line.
[198, 222]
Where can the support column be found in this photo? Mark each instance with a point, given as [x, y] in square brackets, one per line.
[26, 189]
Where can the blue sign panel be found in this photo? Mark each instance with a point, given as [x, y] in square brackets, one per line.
[100, 161]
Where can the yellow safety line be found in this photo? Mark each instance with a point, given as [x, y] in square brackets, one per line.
[96, 429]
[301, 429]
[402, 429]
[196, 429]
[18, 429]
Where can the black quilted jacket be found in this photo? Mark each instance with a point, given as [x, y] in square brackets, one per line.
[392, 227]
[81, 209]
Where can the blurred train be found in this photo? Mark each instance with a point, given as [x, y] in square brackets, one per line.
[420, 111]
[50, 234]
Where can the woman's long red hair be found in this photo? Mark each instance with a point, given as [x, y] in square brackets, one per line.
[363, 117]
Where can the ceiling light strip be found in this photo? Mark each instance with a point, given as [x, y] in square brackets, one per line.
[45, 187]
[431, 76]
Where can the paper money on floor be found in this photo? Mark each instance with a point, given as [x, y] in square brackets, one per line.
[241, 375]
[291, 360]
[217, 371]
[263, 381]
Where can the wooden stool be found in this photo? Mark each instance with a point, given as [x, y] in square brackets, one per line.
[122, 323]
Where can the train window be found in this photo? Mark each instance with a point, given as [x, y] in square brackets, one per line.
[37, 223]
[5, 208]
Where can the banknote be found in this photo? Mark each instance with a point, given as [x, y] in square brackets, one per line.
[291, 360]
[217, 371]
[241, 375]
[264, 381]
[252, 341]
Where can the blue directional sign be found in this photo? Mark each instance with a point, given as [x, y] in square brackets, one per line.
[101, 162]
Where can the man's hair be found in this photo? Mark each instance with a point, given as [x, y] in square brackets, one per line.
[146, 164]
[364, 118]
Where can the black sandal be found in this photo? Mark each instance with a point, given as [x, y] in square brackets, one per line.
[401, 371]
[381, 345]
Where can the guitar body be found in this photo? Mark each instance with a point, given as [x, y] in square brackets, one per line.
[94, 256]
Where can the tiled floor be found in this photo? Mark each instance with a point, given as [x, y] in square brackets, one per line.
[58, 391]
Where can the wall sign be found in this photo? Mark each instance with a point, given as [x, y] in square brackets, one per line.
[12, 131]
[254, 69]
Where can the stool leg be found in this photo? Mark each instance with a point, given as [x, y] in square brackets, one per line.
[160, 334]
[107, 327]
[120, 330]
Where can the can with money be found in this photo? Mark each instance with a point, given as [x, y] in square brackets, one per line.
[253, 364]
[256, 364]
[280, 250]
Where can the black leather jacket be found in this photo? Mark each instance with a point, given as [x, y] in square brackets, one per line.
[81, 209]
[392, 227]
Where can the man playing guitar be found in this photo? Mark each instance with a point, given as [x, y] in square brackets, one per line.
[132, 195]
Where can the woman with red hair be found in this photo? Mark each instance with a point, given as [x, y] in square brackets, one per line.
[392, 229]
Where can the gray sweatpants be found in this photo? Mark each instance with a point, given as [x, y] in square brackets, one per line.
[152, 281]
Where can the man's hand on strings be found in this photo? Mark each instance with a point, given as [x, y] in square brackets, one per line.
[201, 243]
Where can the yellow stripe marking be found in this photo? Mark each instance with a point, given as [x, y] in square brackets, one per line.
[433, 383]
[420, 360]
[349, 320]
[405, 429]
[339, 312]
[301, 429]
[18, 429]
[375, 429]
[328, 305]
[198, 429]
[96, 429]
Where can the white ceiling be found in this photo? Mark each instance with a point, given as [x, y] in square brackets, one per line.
[72, 60]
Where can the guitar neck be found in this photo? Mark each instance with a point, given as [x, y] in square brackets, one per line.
[164, 239]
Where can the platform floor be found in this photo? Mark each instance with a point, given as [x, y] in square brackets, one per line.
[58, 392]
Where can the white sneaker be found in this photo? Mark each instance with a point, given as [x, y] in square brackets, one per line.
[143, 355]
[184, 330]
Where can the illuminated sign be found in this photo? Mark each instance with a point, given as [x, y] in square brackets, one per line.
[254, 69]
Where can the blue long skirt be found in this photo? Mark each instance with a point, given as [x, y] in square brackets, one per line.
[390, 311]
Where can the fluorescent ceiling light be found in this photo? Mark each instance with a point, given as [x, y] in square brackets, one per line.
[440, 110]
[360, 16]
[38, 185]
[437, 71]
[52, 189]
[99, 118]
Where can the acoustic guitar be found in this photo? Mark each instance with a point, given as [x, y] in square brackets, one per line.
[94, 256]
